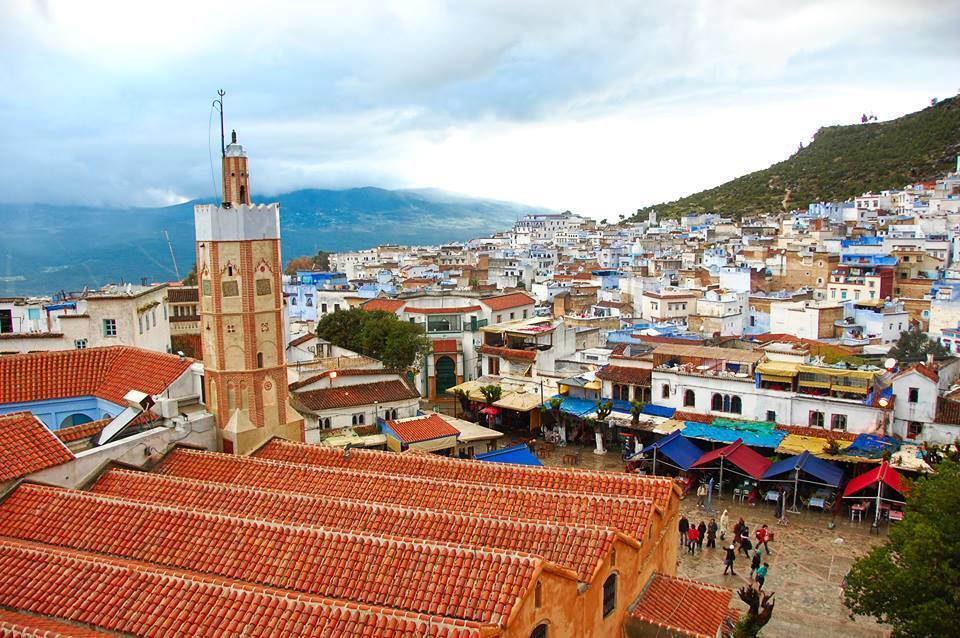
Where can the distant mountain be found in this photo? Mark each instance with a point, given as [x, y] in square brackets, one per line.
[45, 248]
[841, 162]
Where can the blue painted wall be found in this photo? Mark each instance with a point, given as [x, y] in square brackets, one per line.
[54, 411]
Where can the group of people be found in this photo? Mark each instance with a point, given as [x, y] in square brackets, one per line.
[692, 537]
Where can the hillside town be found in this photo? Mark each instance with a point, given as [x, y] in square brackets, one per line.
[807, 362]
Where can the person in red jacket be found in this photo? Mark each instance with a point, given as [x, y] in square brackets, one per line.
[693, 536]
[763, 537]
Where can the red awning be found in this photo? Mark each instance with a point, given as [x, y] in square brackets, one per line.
[739, 455]
[883, 473]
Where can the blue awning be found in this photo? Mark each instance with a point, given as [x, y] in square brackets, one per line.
[658, 410]
[677, 448]
[516, 455]
[806, 462]
[718, 434]
[872, 446]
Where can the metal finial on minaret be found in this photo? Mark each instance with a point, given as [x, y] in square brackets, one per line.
[218, 104]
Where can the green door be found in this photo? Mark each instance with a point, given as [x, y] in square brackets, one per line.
[446, 375]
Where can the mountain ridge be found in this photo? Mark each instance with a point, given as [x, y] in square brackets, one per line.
[45, 248]
[841, 162]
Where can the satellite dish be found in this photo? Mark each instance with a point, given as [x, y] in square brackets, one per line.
[890, 363]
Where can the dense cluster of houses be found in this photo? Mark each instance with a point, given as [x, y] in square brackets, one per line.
[214, 415]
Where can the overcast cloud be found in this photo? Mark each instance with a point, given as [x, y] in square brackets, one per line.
[599, 107]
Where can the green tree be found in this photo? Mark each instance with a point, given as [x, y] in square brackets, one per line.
[912, 581]
[191, 278]
[381, 335]
[914, 346]
[491, 393]
[636, 409]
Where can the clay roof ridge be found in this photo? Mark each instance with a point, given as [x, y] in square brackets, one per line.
[101, 561]
[577, 528]
[502, 488]
[500, 467]
[328, 532]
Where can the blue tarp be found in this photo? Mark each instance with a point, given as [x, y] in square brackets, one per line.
[752, 438]
[872, 446]
[658, 410]
[806, 462]
[516, 455]
[677, 448]
[576, 406]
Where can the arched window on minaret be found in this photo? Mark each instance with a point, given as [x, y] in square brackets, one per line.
[243, 194]
[259, 359]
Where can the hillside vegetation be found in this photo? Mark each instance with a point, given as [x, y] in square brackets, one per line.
[841, 162]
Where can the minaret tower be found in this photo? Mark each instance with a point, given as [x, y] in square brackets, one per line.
[242, 313]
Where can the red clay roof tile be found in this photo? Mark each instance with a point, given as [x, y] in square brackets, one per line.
[478, 584]
[513, 300]
[509, 353]
[354, 395]
[686, 607]
[627, 514]
[422, 428]
[130, 597]
[107, 373]
[625, 374]
[385, 305]
[27, 446]
[579, 548]
[431, 466]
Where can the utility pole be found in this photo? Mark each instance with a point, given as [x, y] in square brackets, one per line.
[218, 103]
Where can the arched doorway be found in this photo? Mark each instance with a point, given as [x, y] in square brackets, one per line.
[446, 375]
[78, 418]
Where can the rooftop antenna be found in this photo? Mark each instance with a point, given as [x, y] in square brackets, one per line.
[218, 104]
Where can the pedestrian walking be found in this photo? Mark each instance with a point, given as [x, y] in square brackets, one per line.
[744, 535]
[701, 535]
[701, 494]
[729, 560]
[755, 564]
[712, 534]
[693, 537]
[724, 525]
[683, 527]
[745, 545]
[736, 530]
[763, 538]
[762, 575]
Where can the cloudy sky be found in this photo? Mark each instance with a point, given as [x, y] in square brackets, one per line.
[599, 107]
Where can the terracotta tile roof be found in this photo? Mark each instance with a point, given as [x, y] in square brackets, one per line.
[183, 294]
[344, 372]
[625, 374]
[424, 428]
[921, 369]
[14, 625]
[682, 415]
[629, 515]
[27, 446]
[445, 345]
[509, 353]
[482, 585]
[354, 395]
[685, 607]
[385, 305]
[107, 373]
[126, 596]
[574, 547]
[302, 339]
[468, 471]
[442, 311]
[948, 411]
[513, 300]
